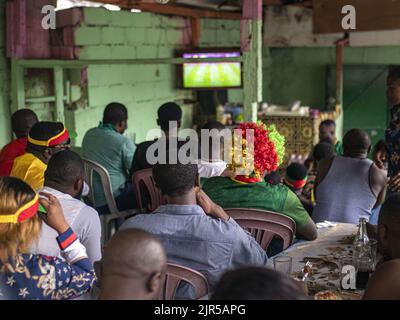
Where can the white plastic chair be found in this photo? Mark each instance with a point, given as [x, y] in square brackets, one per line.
[108, 228]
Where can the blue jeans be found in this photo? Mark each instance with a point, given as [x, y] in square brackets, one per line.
[375, 215]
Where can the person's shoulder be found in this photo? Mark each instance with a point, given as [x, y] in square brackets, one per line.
[137, 221]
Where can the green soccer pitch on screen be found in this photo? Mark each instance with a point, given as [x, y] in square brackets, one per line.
[214, 74]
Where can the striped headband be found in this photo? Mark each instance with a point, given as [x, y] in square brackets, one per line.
[26, 212]
[54, 141]
[296, 184]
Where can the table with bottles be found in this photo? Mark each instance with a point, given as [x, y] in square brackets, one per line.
[334, 245]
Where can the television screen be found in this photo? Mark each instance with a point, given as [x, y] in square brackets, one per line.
[213, 74]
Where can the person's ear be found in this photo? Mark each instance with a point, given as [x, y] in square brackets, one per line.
[155, 283]
[197, 181]
[78, 185]
[47, 153]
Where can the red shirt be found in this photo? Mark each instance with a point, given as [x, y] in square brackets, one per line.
[12, 150]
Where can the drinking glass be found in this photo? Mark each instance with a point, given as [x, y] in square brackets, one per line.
[373, 244]
[346, 266]
[283, 264]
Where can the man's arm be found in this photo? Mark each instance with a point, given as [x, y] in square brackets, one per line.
[384, 284]
[128, 151]
[378, 181]
[306, 228]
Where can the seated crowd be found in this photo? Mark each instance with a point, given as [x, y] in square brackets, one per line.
[51, 234]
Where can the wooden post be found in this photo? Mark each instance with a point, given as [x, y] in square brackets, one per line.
[339, 83]
[251, 43]
[17, 86]
[59, 94]
[196, 31]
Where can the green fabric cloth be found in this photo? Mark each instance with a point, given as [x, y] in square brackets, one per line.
[114, 152]
[262, 195]
[339, 148]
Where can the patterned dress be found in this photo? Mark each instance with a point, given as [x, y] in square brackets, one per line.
[393, 142]
[38, 277]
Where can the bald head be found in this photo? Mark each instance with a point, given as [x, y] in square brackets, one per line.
[133, 266]
[356, 142]
[22, 121]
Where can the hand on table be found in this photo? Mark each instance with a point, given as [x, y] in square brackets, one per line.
[209, 207]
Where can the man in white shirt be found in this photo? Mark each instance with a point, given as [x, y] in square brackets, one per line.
[64, 179]
[210, 164]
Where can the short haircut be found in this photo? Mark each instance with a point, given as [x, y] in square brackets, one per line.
[327, 123]
[169, 111]
[296, 171]
[394, 74]
[390, 211]
[273, 177]
[213, 125]
[22, 121]
[64, 168]
[115, 113]
[323, 150]
[45, 130]
[256, 283]
[175, 179]
[356, 140]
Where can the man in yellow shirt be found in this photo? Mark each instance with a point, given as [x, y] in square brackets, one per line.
[44, 140]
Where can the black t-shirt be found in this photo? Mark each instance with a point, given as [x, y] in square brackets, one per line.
[140, 160]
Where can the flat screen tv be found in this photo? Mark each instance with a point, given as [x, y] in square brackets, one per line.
[214, 74]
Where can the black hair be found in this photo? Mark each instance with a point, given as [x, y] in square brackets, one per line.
[380, 145]
[296, 171]
[169, 111]
[327, 123]
[115, 113]
[391, 210]
[22, 121]
[256, 283]
[394, 73]
[273, 178]
[64, 168]
[175, 179]
[356, 140]
[323, 150]
[45, 130]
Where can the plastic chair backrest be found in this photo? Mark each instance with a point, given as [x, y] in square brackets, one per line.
[92, 168]
[176, 274]
[265, 225]
[148, 196]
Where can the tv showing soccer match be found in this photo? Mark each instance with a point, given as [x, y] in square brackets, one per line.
[213, 74]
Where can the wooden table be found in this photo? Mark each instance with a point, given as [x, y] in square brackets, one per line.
[332, 244]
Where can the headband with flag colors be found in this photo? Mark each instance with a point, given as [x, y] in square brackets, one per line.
[53, 141]
[296, 184]
[268, 151]
[26, 212]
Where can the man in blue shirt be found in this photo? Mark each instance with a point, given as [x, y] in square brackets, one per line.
[196, 232]
[107, 146]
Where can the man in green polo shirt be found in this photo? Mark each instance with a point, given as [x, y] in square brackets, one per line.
[107, 146]
[252, 191]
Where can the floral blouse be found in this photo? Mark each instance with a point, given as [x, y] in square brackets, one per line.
[38, 277]
[393, 142]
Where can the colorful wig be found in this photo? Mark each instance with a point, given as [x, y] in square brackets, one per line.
[262, 155]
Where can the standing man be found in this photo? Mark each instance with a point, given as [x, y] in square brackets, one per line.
[327, 133]
[393, 131]
[21, 123]
[107, 146]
